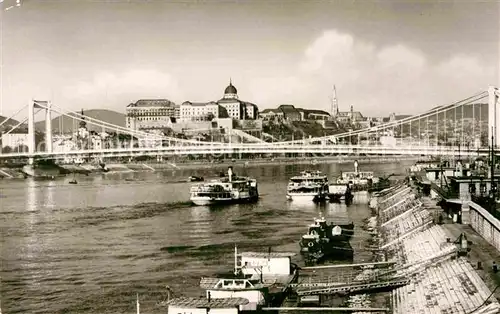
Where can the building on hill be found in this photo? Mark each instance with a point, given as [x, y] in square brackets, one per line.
[200, 112]
[313, 114]
[350, 116]
[151, 113]
[229, 106]
[237, 109]
[291, 113]
[16, 140]
[269, 114]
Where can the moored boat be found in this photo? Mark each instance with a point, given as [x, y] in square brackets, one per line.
[261, 278]
[358, 180]
[205, 305]
[309, 185]
[338, 192]
[230, 189]
[325, 240]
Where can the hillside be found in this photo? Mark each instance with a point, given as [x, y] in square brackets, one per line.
[64, 124]
[286, 131]
[8, 125]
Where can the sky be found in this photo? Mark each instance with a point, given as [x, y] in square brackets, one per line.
[383, 56]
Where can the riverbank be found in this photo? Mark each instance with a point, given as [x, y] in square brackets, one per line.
[440, 280]
[10, 173]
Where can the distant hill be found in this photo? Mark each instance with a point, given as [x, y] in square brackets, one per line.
[64, 124]
[10, 123]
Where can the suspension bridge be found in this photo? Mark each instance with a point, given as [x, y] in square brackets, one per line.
[467, 127]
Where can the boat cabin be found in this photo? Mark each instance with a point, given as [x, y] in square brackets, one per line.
[421, 165]
[351, 175]
[265, 264]
[210, 305]
[359, 178]
[463, 188]
[321, 228]
[225, 288]
[308, 177]
[434, 174]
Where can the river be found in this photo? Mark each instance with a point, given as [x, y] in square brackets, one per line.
[91, 247]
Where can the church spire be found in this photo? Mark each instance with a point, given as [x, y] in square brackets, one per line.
[83, 124]
[335, 105]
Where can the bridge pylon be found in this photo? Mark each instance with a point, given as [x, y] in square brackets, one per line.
[493, 115]
[45, 105]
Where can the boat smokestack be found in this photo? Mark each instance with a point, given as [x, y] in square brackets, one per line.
[230, 173]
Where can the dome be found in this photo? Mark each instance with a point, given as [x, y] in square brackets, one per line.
[230, 89]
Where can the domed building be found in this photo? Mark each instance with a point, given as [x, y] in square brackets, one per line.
[230, 92]
[237, 109]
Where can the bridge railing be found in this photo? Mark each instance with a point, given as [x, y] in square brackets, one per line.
[322, 150]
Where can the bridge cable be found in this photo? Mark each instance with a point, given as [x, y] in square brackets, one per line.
[438, 110]
[19, 124]
[12, 116]
[97, 122]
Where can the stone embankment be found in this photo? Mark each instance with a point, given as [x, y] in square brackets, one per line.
[440, 280]
[11, 172]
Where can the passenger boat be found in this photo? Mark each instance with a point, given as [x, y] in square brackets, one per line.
[230, 189]
[261, 278]
[325, 240]
[358, 180]
[309, 185]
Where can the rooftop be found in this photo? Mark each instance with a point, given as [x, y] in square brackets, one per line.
[265, 254]
[211, 283]
[315, 111]
[475, 179]
[152, 103]
[205, 303]
[271, 110]
[198, 104]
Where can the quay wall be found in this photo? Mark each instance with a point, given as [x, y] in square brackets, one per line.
[440, 281]
[487, 226]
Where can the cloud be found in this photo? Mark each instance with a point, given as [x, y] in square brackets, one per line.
[121, 88]
[376, 80]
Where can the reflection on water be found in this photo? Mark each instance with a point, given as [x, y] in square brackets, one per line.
[90, 247]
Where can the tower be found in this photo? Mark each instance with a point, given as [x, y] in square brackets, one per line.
[493, 116]
[44, 105]
[335, 105]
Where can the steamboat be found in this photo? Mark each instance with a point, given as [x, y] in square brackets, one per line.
[325, 241]
[309, 185]
[358, 180]
[261, 278]
[229, 189]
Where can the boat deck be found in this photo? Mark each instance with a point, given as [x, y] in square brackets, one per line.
[274, 283]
